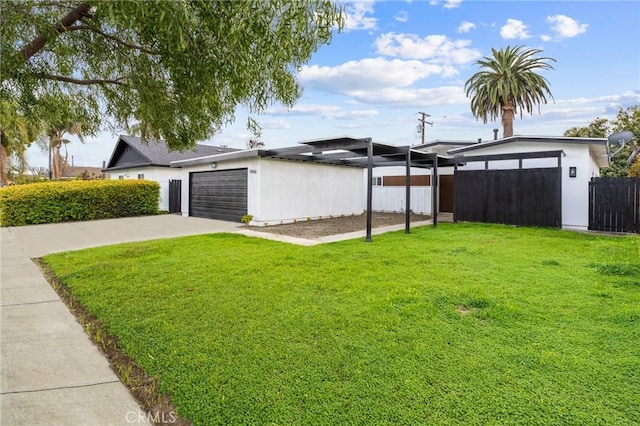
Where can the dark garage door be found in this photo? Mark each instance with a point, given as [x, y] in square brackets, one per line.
[220, 194]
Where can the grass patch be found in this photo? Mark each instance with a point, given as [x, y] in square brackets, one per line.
[463, 324]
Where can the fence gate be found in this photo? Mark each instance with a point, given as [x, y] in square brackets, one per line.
[175, 196]
[525, 197]
[614, 204]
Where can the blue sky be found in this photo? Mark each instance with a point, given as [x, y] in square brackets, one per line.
[395, 58]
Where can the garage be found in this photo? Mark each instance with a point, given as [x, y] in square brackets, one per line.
[220, 194]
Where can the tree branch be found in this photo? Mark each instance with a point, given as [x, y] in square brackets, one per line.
[88, 82]
[38, 43]
[119, 41]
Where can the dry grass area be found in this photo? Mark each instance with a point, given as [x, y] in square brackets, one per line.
[338, 225]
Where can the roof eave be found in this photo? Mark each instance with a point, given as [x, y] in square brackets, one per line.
[226, 156]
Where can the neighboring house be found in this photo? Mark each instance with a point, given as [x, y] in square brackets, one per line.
[134, 159]
[227, 186]
[84, 172]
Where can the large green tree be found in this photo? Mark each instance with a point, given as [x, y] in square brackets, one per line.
[181, 67]
[626, 119]
[507, 84]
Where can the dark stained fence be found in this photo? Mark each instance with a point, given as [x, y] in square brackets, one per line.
[525, 197]
[446, 193]
[219, 194]
[614, 204]
[175, 196]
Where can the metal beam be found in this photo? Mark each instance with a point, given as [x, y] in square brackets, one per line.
[512, 156]
[407, 208]
[369, 188]
[434, 196]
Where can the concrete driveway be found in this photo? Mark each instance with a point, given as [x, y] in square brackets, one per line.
[51, 373]
[38, 240]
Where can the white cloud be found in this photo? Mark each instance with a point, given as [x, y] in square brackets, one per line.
[324, 111]
[275, 124]
[448, 4]
[466, 26]
[349, 115]
[514, 29]
[566, 27]
[367, 74]
[407, 97]
[452, 4]
[357, 16]
[546, 37]
[630, 97]
[402, 16]
[437, 48]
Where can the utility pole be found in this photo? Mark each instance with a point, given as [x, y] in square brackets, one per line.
[423, 121]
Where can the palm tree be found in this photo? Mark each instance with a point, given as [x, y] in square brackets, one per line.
[16, 134]
[507, 84]
[53, 140]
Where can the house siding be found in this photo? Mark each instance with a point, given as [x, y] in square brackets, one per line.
[162, 175]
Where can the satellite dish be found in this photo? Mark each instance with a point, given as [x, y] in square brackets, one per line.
[618, 138]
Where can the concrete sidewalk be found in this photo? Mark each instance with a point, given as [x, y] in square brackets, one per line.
[51, 373]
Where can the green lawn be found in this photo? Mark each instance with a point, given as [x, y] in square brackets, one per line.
[463, 324]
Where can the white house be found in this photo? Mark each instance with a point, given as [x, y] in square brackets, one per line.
[274, 191]
[134, 159]
[581, 160]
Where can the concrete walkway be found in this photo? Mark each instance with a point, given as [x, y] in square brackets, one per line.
[51, 373]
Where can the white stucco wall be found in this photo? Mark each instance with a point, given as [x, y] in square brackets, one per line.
[392, 198]
[575, 191]
[281, 191]
[162, 175]
[296, 191]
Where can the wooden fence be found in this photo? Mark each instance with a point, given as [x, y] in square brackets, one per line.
[175, 196]
[525, 197]
[614, 204]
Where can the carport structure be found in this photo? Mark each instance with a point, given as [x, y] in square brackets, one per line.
[365, 153]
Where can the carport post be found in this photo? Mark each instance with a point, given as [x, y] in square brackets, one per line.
[455, 170]
[407, 208]
[434, 191]
[369, 187]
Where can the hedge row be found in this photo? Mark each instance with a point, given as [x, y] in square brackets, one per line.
[53, 202]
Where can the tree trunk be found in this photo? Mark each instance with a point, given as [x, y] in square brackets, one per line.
[507, 120]
[4, 178]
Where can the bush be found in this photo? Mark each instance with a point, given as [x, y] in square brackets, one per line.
[53, 202]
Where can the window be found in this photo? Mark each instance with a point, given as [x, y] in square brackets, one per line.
[140, 175]
[121, 177]
[377, 181]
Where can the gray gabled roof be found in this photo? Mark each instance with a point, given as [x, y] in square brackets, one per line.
[155, 152]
